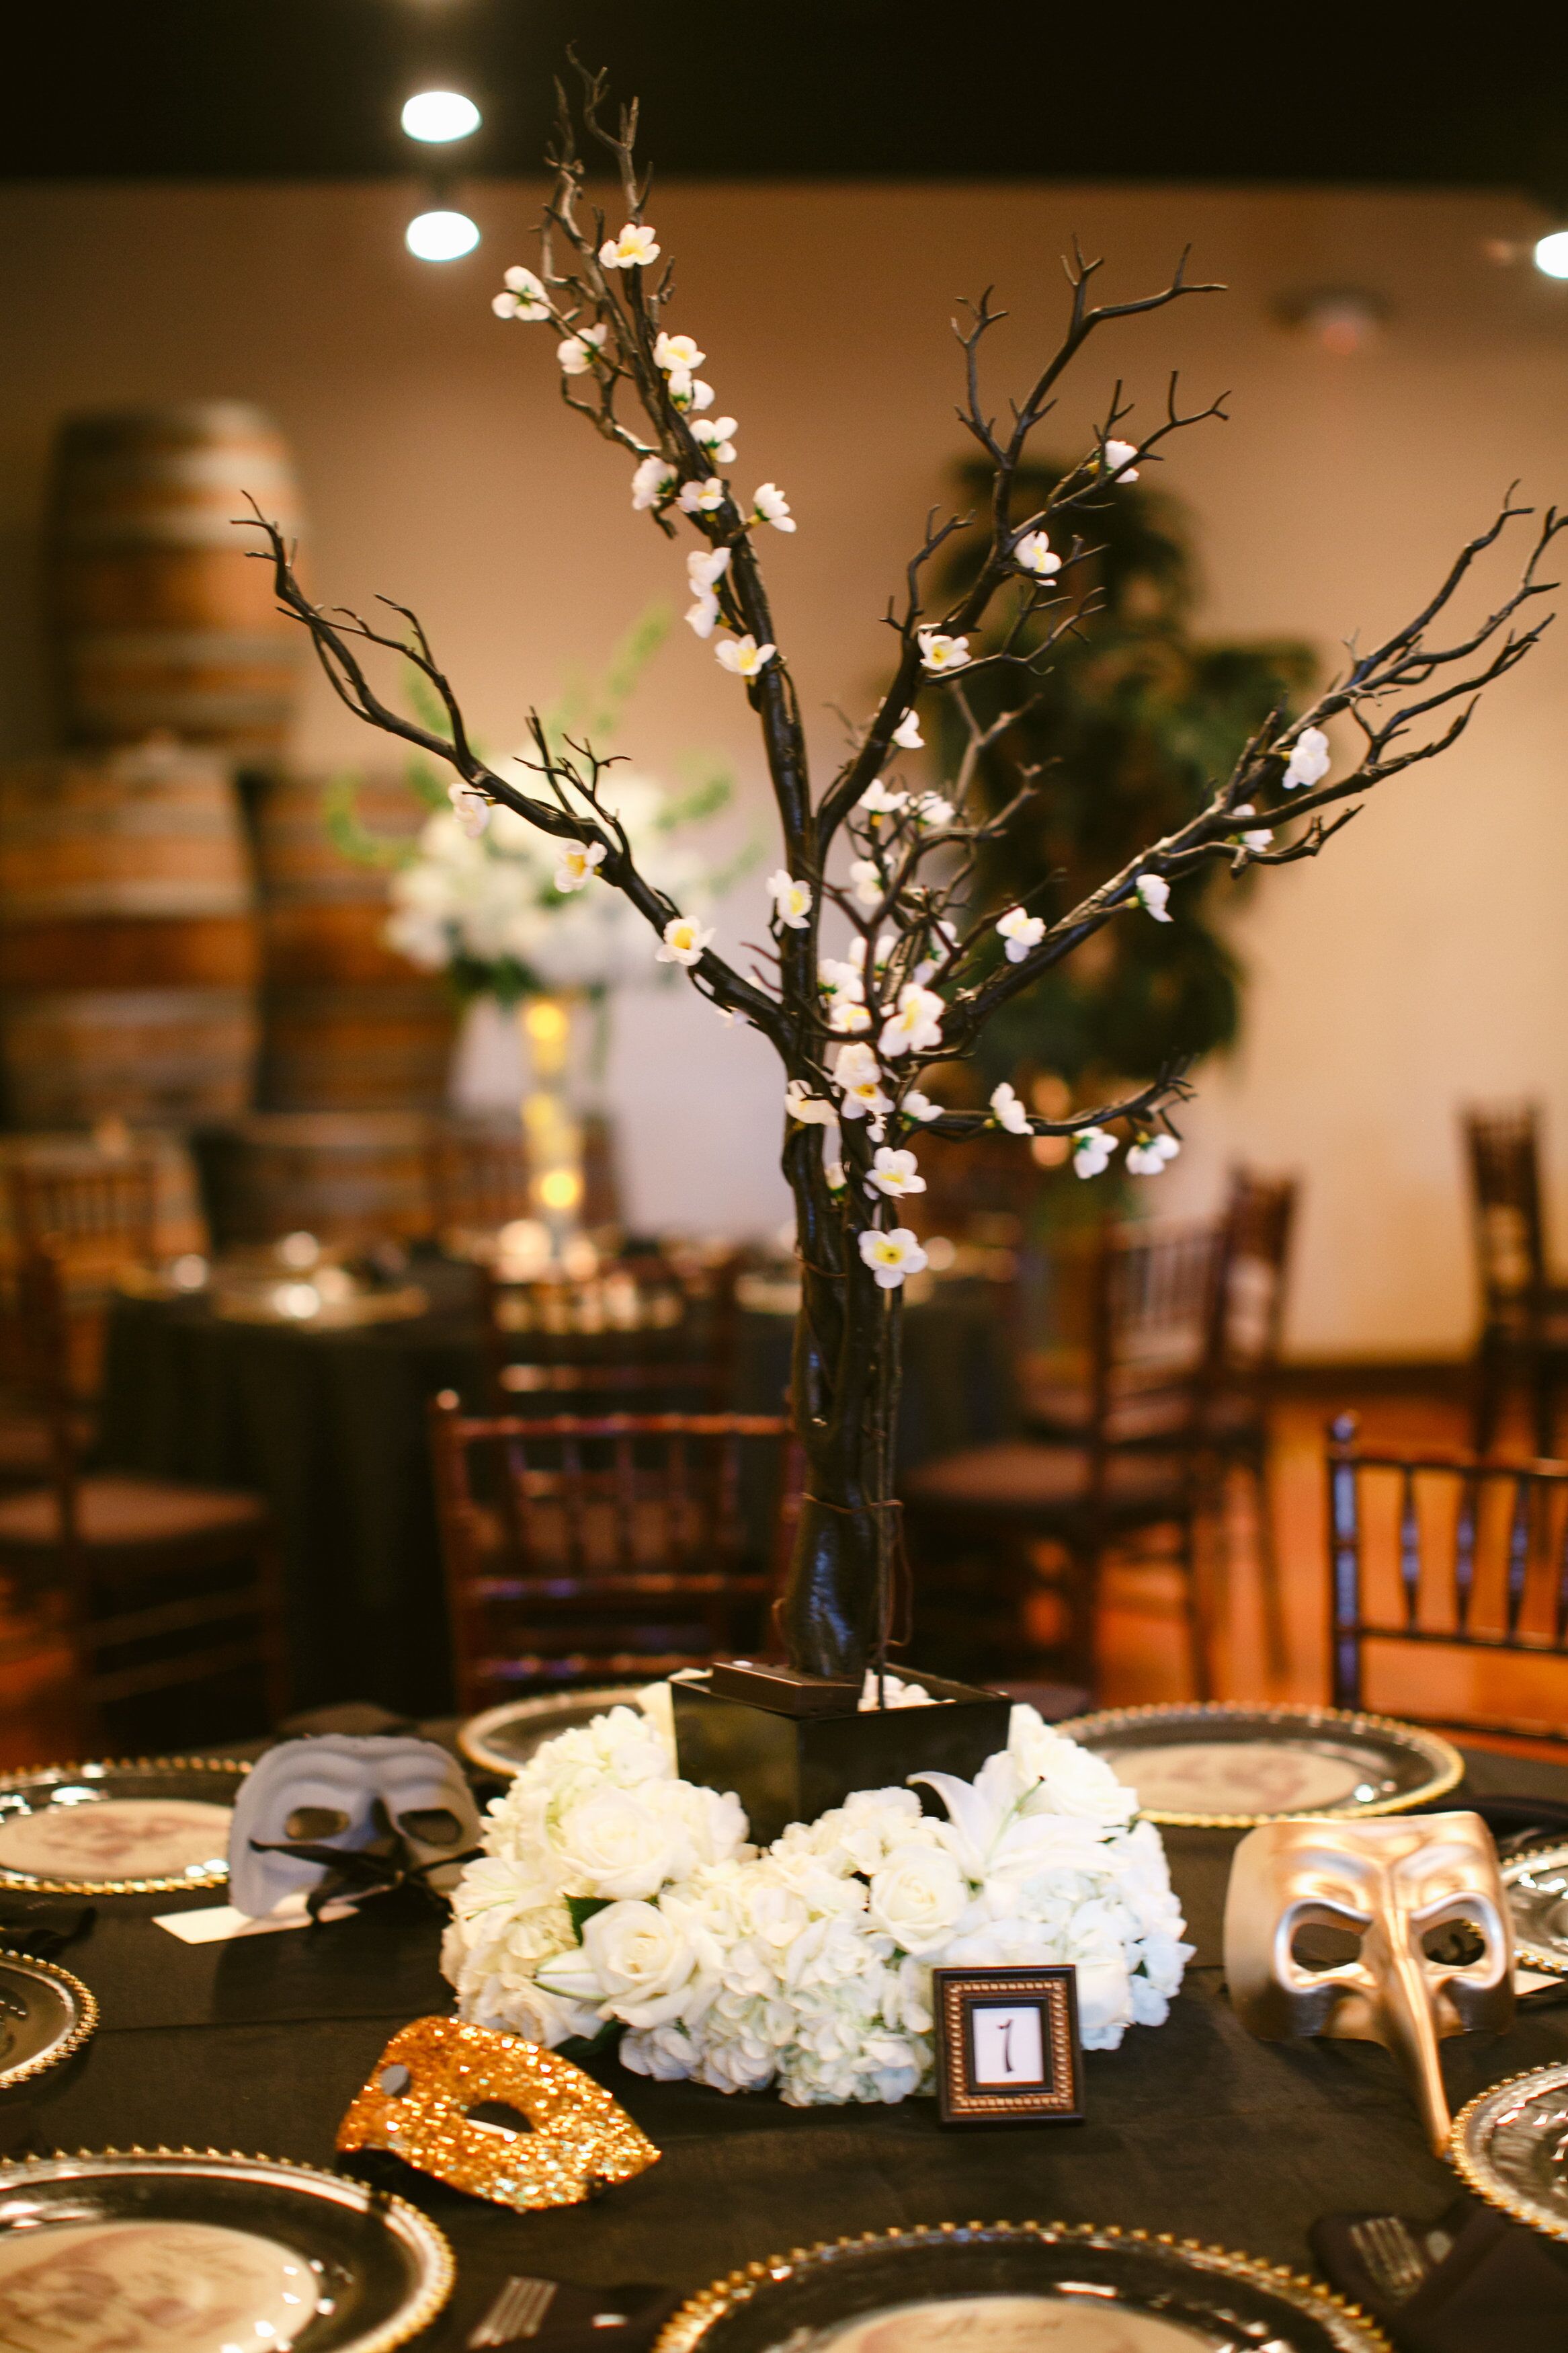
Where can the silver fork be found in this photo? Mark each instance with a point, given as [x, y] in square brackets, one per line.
[1394, 2260]
[516, 2312]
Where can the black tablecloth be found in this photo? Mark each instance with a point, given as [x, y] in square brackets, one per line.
[329, 1426]
[1192, 2127]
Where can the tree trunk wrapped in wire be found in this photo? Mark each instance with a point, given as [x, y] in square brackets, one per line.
[863, 1035]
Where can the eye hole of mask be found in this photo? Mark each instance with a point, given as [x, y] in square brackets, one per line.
[1455, 1944]
[499, 2115]
[432, 1826]
[1317, 1946]
[314, 1822]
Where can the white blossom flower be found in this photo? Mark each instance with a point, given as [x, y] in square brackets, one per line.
[470, 809]
[1008, 1112]
[578, 861]
[670, 352]
[701, 615]
[791, 899]
[743, 656]
[907, 733]
[1154, 889]
[940, 652]
[916, 1027]
[1150, 1155]
[702, 498]
[1118, 461]
[1034, 554]
[1310, 760]
[633, 250]
[652, 483]
[811, 1111]
[857, 1075]
[841, 978]
[918, 1106]
[716, 435]
[684, 941]
[834, 1172]
[892, 1255]
[1260, 835]
[866, 881]
[1091, 1151]
[689, 393]
[705, 567]
[769, 505]
[579, 351]
[876, 801]
[1021, 932]
[524, 298]
[848, 1018]
[932, 811]
[894, 1173]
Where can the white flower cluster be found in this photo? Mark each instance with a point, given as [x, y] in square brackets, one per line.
[807, 1966]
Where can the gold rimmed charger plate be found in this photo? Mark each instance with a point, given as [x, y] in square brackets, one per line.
[199, 2232]
[1503, 2144]
[1536, 1886]
[46, 2016]
[503, 1739]
[1281, 1761]
[58, 1836]
[1116, 2291]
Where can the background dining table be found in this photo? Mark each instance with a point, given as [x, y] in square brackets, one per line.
[1192, 2127]
[329, 1426]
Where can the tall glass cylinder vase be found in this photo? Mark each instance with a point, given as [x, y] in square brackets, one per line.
[565, 1129]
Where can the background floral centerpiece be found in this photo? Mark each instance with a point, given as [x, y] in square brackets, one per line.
[615, 1898]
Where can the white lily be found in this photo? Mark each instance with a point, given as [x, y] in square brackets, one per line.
[1021, 932]
[472, 811]
[1154, 889]
[684, 941]
[892, 1255]
[578, 862]
[1091, 1151]
[1150, 1155]
[916, 1027]
[579, 351]
[715, 434]
[866, 881]
[940, 652]
[671, 352]
[791, 899]
[907, 733]
[1310, 760]
[894, 1173]
[652, 483]
[702, 498]
[1034, 554]
[633, 250]
[1118, 457]
[769, 505]
[743, 656]
[1009, 1112]
[857, 1075]
[811, 1111]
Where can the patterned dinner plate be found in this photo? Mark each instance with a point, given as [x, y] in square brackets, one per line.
[182, 2251]
[143, 1826]
[502, 1740]
[1509, 2145]
[1029, 2287]
[1536, 1885]
[45, 2015]
[1221, 1766]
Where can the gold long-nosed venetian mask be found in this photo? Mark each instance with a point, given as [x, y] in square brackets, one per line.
[1394, 1883]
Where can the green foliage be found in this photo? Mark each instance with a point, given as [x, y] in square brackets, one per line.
[583, 1908]
[1134, 722]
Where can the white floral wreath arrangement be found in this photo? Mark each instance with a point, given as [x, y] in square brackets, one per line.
[616, 1897]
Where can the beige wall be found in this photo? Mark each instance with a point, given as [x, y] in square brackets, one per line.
[1422, 962]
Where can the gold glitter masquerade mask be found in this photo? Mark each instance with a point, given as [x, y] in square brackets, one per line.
[421, 2102]
[1396, 1884]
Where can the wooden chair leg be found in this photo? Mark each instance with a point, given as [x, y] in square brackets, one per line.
[1274, 1635]
[1543, 1407]
[1198, 1615]
[1488, 1378]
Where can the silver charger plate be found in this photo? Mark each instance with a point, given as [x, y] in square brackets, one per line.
[138, 1826]
[503, 1739]
[1536, 1886]
[1226, 1765]
[1013, 2288]
[184, 2250]
[1509, 2145]
[46, 2016]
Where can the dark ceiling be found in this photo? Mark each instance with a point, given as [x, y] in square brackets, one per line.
[1010, 87]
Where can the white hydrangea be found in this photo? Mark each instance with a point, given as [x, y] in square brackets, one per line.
[805, 1969]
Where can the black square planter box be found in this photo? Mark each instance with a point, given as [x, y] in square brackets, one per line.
[787, 1767]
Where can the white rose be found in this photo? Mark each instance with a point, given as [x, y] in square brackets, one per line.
[620, 1846]
[1071, 1780]
[917, 1898]
[644, 1963]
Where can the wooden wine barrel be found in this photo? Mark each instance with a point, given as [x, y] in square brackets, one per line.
[348, 1025]
[162, 618]
[128, 950]
[345, 1177]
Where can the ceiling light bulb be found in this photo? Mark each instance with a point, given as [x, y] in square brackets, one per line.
[437, 115]
[440, 236]
[1551, 254]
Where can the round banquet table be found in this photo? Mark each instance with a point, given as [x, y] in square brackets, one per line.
[1192, 2127]
[329, 1426]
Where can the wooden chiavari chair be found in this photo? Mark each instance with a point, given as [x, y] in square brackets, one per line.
[583, 1549]
[1525, 1314]
[1456, 1557]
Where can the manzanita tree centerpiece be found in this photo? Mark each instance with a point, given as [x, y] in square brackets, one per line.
[863, 1023]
